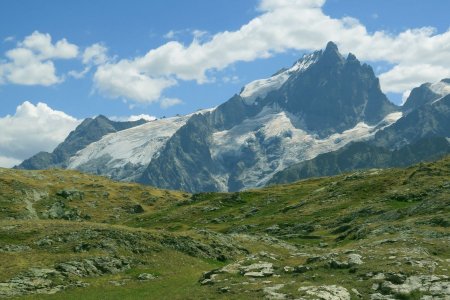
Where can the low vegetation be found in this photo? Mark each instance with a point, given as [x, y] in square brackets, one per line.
[374, 234]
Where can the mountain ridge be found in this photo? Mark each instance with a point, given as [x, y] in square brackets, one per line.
[90, 130]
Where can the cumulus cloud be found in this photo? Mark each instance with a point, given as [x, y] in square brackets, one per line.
[95, 54]
[31, 62]
[282, 25]
[41, 45]
[404, 77]
[133, 118]
[31, 129]
[123, 79]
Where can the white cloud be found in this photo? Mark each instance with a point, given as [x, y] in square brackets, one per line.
[9, 39]
[8, 162]
[31, 62]
[125, 80]
[281, 26]
[133, 118]
[141, 116]
[79, 74]
[196, 33]
[31, 129]
[404, 77]
[168, 102]
[41, 45]
[95, 54]
[170, 35]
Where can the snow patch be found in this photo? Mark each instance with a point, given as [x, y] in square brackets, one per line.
[440, 88]
[260, 88]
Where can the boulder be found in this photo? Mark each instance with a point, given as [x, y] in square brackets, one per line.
[71, 194]
[326, 292]
[146, 276]
[261, 269]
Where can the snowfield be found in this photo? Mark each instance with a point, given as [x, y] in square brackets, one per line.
[277, 143]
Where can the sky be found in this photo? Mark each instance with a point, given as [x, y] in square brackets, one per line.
[63, 61]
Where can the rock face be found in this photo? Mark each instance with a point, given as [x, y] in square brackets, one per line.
[335, 94]
[326, 292]
[262, 269]
[436, 287]
[90, 130]
[53, 280]
[93, 267]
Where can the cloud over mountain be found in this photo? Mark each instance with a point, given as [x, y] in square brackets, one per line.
[31, 129]
[281, 26]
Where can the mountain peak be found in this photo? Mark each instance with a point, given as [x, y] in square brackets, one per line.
[101, 117]
[331, 46]
[351, 57]
[427, 93]
[331, 54]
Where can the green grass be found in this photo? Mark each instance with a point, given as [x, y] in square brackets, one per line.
[398, 213]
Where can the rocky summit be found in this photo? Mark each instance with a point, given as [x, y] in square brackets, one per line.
[373, 234]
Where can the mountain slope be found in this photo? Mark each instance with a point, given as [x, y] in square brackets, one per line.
[364, 155]
[90, 130]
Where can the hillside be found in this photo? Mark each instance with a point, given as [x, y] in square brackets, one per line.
[375, 234]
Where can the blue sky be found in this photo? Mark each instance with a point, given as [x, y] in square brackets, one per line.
[162, 58]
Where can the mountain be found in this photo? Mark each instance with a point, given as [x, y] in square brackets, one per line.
[423, 133]
[376, 234]
[323, 102]
[90, 130]
[318, 105]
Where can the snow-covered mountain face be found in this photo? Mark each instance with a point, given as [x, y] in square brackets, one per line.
[275, 143]
[125, 154]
